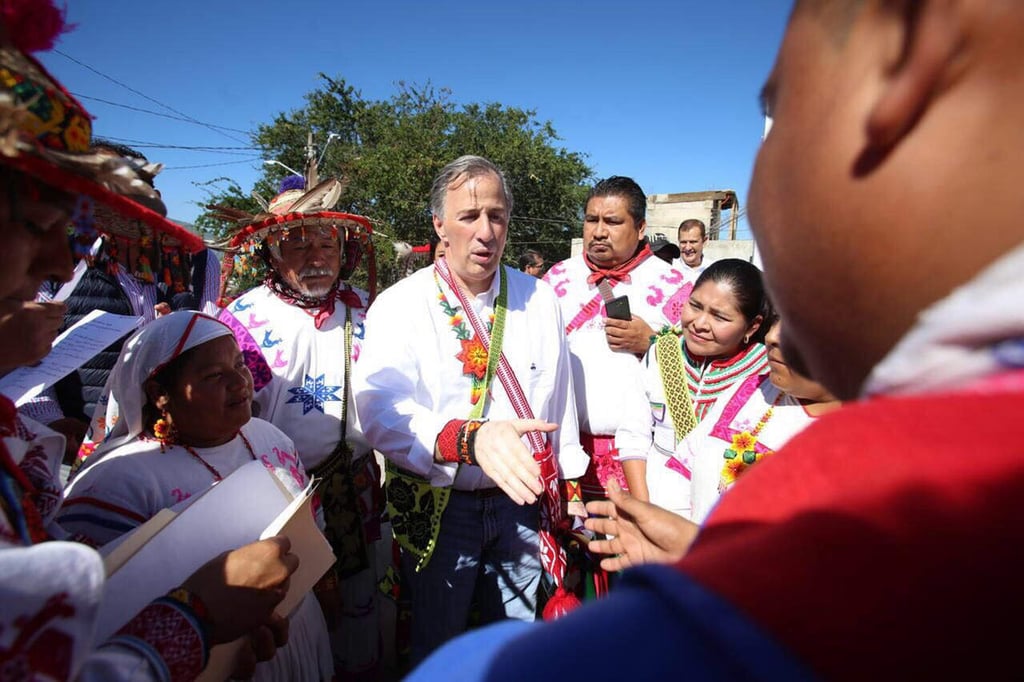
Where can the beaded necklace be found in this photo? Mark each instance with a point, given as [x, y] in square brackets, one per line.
[217, 478]
[743, 451]
[474, 355]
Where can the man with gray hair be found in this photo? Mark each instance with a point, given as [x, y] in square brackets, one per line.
[299, 333]
[473, 461]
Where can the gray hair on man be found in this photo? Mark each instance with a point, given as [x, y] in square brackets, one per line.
[465, 168]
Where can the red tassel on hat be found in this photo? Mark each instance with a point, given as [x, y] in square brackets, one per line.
[32, 25]
[561, 603]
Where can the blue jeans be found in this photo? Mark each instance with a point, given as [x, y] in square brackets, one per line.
[487, 554]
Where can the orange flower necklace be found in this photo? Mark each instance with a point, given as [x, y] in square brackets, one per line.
[473, 356]
[745, 450]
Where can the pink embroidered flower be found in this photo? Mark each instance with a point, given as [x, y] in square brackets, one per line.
[673, 309]
[675, 278]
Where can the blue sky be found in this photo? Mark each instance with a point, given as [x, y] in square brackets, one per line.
[665, 92]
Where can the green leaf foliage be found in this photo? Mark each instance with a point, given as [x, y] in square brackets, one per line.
[390, 150]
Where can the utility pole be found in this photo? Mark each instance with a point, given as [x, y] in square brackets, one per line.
[311, 164]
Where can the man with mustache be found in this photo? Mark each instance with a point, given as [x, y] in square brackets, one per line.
[616, 262]
[299, 333]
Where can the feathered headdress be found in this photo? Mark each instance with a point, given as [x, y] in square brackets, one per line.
[295, 208]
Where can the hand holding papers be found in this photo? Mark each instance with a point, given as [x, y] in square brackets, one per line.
[246, 506]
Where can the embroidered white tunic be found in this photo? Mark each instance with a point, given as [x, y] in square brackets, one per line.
[51, 591]
[408, 382]
[647, 430]
[655, 295]
[299, 370]
[740, 410]
[129, 485]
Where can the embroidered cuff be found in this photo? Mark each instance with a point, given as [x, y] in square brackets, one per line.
[191, 601]
[170, 636]
[448, 440]
[457, 441]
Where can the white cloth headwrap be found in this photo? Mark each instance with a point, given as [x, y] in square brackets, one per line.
[146, 352]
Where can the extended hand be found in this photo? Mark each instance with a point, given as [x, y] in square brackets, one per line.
[241, 588]
[500, 452]
[633, 336]
[643, 533]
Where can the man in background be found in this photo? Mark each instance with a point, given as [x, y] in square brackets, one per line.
[693, 235]
[532, 263]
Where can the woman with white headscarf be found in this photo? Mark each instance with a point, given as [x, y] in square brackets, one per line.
[180, 420]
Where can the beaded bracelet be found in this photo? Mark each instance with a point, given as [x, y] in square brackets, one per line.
[467, 440]
[191, 601]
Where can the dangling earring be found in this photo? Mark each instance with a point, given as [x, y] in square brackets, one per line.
[164, 431]
[746, 339]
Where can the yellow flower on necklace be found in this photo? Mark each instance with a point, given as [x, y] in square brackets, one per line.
[732, 470]
[743, 441]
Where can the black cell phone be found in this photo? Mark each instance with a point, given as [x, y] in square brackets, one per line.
[618, 309]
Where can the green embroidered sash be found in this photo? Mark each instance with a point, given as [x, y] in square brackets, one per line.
[414, 505]
[673, 379]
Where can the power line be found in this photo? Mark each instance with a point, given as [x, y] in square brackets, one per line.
[157, 113]
[145, 96]
[193, 149]
[211, 165]
[158, 145]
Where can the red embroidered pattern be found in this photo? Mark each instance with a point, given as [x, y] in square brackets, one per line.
[164, 627]
[40, 651]
[448, 440]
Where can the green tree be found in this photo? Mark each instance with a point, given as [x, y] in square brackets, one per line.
[390, 150]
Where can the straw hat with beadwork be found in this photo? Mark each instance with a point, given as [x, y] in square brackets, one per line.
[296, 208]
[47, 134]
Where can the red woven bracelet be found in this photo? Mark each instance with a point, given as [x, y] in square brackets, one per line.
[447, 443]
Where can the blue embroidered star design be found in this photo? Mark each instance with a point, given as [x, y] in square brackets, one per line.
[313, 394]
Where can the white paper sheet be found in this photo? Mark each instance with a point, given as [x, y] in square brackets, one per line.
[245, 506]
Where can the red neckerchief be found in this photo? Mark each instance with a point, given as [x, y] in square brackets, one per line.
[320, 308]
[619, 273]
